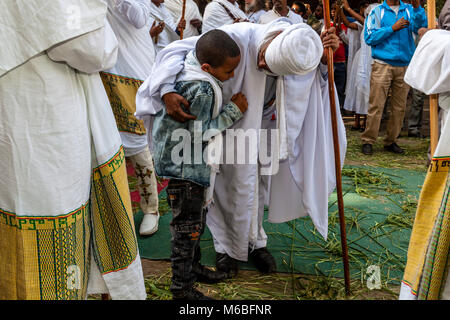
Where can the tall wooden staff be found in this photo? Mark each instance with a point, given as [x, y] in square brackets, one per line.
[434, 131]
[182, 17]
[337, 160]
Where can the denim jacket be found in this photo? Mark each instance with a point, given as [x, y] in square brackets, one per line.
[187, 144]
[393, 47]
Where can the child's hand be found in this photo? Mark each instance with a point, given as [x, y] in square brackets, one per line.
[241, 101]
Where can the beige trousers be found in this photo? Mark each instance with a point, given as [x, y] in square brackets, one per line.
[383, 77]
[146, 181]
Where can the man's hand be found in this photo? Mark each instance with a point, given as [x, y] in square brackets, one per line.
[237, 20]
[422, 31]
[197, 23]
[400, 24]
[173, 102]
[156, 29]
[241, 101]
[329, 40]
[181, 25]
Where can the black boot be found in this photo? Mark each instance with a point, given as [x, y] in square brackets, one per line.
[204, 274]
[192, 294]
[263, 260]
[207, 275]
[226, 264]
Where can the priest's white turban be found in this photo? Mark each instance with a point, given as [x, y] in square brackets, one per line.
[297, 50]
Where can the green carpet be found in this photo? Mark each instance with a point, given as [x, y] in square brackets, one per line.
[379, 206]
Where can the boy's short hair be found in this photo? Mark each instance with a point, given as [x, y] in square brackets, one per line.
[214, 47]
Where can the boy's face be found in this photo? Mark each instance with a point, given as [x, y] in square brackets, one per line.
[225, 71]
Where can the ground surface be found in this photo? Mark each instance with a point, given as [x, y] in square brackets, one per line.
[285, 286]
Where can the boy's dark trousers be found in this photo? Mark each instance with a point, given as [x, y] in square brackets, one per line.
[188, 224]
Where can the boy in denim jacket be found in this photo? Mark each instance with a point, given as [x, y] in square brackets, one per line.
[215, 58]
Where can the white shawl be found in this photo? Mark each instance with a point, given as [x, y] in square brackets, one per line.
[31, 27]
[429, 69]
[175, 7]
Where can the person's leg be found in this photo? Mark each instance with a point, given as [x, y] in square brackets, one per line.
[357, 124]
[399, 95]
[415, 113]
[202, 273]
[148, 190]
[380, 82]
[258, 252]
[340, 72]
[186, 200]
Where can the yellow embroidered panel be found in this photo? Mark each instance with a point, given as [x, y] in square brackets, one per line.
[432, 208]
[121, 92]
[114, 237]
[45, 258]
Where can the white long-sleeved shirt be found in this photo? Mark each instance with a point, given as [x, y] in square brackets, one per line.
[136, 12]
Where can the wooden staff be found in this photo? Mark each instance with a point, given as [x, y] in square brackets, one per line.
[182, 18]
[337, 160]
[434, 121]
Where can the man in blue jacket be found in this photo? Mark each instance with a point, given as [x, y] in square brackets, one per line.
[389, 31]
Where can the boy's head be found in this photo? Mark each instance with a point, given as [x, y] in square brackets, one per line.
[218, 54]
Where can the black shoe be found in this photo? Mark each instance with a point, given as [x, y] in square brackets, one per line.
[367, 149]
[414, 134]
[263, 260]
[193, 294]
[206, 275]
[225, 263]
[394, 148]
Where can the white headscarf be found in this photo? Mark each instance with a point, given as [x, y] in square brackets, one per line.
[295, 51]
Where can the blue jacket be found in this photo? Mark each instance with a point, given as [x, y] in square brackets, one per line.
[393, 47]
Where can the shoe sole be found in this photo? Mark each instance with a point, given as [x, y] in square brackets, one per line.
[148, 233]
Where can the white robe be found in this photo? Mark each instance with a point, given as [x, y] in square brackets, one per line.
[131, 22]
[354, 43]
[215, 15]
[168, 34]
[56, 126]
[358, 81]
[175, 8]
[236, 194]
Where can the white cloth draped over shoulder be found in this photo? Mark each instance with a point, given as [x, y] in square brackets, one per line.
[309, 175]
[168, 35]
[216, 16]
[175, 8]
[429, 69]
[136, 49]
[131, 23]
[56, 127]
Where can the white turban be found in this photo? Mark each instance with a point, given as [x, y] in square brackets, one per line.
[297, 50]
